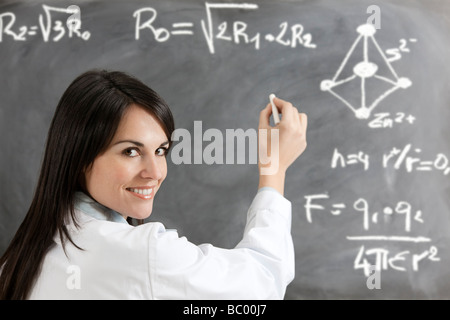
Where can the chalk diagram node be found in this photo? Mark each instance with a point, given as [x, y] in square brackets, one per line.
[364, 71]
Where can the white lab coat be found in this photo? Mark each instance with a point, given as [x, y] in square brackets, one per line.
[119, 261]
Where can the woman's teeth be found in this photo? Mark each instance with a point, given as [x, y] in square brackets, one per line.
[144, 192]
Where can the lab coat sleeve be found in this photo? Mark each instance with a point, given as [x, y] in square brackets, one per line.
[259, 267]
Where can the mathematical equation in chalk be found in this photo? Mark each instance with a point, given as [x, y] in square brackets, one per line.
[384, 259]
[386, 120]
[408, 158]
[316, 204]
[54, 24]
[381, 258]
[236, 32]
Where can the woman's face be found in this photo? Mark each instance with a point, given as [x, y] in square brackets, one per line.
[126, 177]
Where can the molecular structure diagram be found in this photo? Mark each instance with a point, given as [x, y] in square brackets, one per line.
[364, 70]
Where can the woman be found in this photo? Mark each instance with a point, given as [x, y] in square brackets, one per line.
[105, 160]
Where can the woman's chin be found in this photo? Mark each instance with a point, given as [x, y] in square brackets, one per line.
[139, 213]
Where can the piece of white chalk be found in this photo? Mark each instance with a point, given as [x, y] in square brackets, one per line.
[276, 115]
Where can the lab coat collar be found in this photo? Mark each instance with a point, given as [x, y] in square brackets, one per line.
[89, 206]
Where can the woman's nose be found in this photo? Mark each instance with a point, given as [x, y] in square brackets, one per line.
[152, 168]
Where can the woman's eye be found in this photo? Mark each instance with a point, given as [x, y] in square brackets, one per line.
[161, 151]
[131, 152]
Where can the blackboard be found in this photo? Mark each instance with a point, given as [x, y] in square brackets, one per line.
[372, 188]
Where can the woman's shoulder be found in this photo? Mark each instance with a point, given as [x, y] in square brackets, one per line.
[89, 232]
[85, 222]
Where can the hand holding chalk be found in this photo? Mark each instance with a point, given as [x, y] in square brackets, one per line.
[276, 116]
[280, 145]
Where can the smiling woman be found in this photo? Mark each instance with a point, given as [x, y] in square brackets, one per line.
[92, 114]
[132, 167]
[104, 162]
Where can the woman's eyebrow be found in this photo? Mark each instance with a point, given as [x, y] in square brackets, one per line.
[137, 143]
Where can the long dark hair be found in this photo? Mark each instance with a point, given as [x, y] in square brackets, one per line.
[84, 123]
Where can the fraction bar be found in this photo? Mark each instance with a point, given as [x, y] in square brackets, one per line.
[389, 238]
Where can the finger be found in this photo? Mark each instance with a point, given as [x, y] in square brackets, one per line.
[264, 116]
[303, 121]
[285, 108]
[297, 118]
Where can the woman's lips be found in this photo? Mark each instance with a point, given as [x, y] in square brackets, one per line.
[144, 193]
